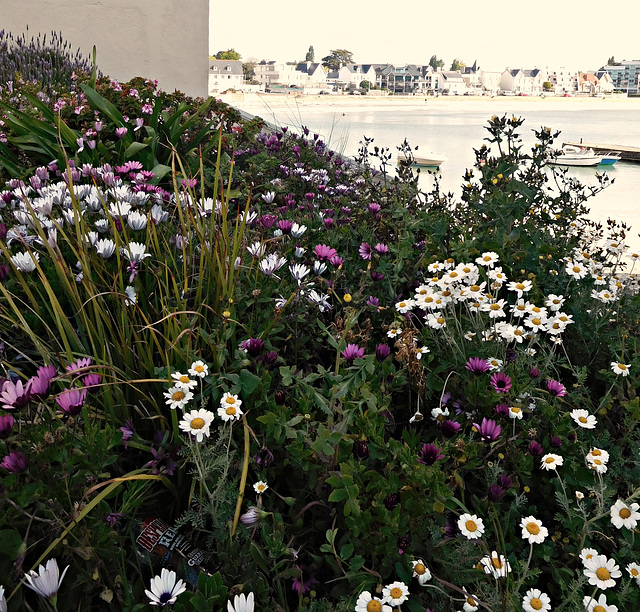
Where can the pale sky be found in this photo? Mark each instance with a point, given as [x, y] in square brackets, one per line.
[574, 34]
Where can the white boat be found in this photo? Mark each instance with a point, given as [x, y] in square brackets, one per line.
[610, 158]
[575, 156]
[428, 160]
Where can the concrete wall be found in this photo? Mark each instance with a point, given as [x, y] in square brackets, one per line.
[167, 40]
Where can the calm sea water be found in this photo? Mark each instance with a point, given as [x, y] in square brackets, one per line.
[455, 128]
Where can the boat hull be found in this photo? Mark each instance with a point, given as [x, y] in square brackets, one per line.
[433, 160]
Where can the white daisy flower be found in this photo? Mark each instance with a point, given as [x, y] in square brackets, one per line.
[551, 461]
[487, 259]
[438, 414]
[521, 287]
[298, 271]
[257, 249]
[495, 565]
[597, 465]
[230, 412]
[536, 323]
[535, 600]
[554, 302]
[583, 418]
[469, 335]
[497, 276]
[131, 296]
[495, 309]
[588, 553]
[421, 572]
[470, 604]
[164, 588]
[183, 381]
[624, 515]
[298, 230]
[135, 252]
[197, 423]
[576, 270]
[601, 572]
[105, 247]
[46, 582]
[368, 603]
[177, 397]
[435, 320]
[199, 369]
[471, 526]
[634, 572]
[25, 262]
[405, 306]
[520, 309]
[229, 399]
[423, 350]
[435, 267]
[532, 530]
[515, 413]
[260, 487]
[495, 364]
[241, 603]
[579, 495]
[620, 368]
[394, 331]
[598, 605]
[395, 593]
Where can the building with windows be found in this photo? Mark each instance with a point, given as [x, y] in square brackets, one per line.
[224, 75]
[625, 76]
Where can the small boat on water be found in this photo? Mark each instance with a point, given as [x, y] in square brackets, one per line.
[575, 156]
[608, 159]
[426, 160]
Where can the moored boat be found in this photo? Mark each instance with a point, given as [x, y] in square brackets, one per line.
[575, 156]
[427, 160]
[608, 159]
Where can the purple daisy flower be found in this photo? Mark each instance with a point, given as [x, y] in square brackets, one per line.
[382, 352]
[6, 426]
[535, 448]
[381, 249]
[324, 253]
[365, 251]
[450, 428]
[373, 301]
[502, 409]
[72, 400]
[304, 582]
[477, 366]
[556, 389]
[253, 346]
[429, 454]
[488, 430]
[14, 395]
[500, 382]
[78, 365]
[495, 493]
[15, 462]
[353, 352]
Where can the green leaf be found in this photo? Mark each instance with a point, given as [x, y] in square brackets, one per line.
[10, 543]
[249, 382]
[133, 148]
[346, 551]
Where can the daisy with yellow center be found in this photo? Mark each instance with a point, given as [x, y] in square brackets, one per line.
[515, 413]
[583, 418]
[177, 397]
[532, 530]
[598, 605]
[551, 461]
[471, 526]
[260, 487]
[198, 369]
[601, 572]
[624, 515]
[396, 593]
[368, 603]
[470, 604]
[228, 399]
[421, 572]
[197, 423]
[230, 412]
[588, 553]
[496, 565]
[536, 601]
[622, 369]
[183, 381]
[634, 572]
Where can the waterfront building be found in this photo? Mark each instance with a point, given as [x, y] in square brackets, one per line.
[405, 79]
[625, 76]
[563, 81]
[224, 75]
[591, 84]
[270, 73]
[523, 82]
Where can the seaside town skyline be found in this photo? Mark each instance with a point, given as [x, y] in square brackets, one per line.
[546, 33]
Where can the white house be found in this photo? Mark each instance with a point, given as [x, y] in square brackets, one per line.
[315, 73]
[563, 81]
[272, 73]
[520, 81]
[352, 75]
[453, 83]
[593, 84]
[225, 74]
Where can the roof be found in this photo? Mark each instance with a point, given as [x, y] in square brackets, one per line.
[225, 66]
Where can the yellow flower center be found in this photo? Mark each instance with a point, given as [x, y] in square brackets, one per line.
[576, 269]
[230, 410]
[453, 275]
[496, 562]
[536, 604]
[625, 513]
[495, 307]
[603, 574]
[582, 419]
[184, 379]
[402, 304]
[486, 258]
[634, 572]
[197, 423]
[199, 369]
[471, 525]
[446, 293]
[396, 593]
[549, 460]
[536, 309]
[599, 609]
[556, 302]
[520, 307]
[419, 569]
[261, 488]
[520, 286]
[466, 270]
[515, 409]
[422, 292]
[474, 288]
[450, 260]
[533, 528]
[622, 366]
[596, 452]
[440, 320]
[597, 461]
[518, 332]
[178, 396]
[536, 321]
[428, 300]
[230, 400]
[374, 606]
[471, 601]
[556, 326]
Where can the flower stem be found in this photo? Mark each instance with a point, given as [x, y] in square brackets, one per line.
[243, 478]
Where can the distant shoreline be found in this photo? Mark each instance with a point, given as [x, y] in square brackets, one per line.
[255, 101]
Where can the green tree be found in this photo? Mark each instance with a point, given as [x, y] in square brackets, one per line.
[436, 63]
[612, 62]
[248, 69]
[547, 86]
[229, 54]
[366, 85]
[456, 65]
[337, 58]
[311, 55]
